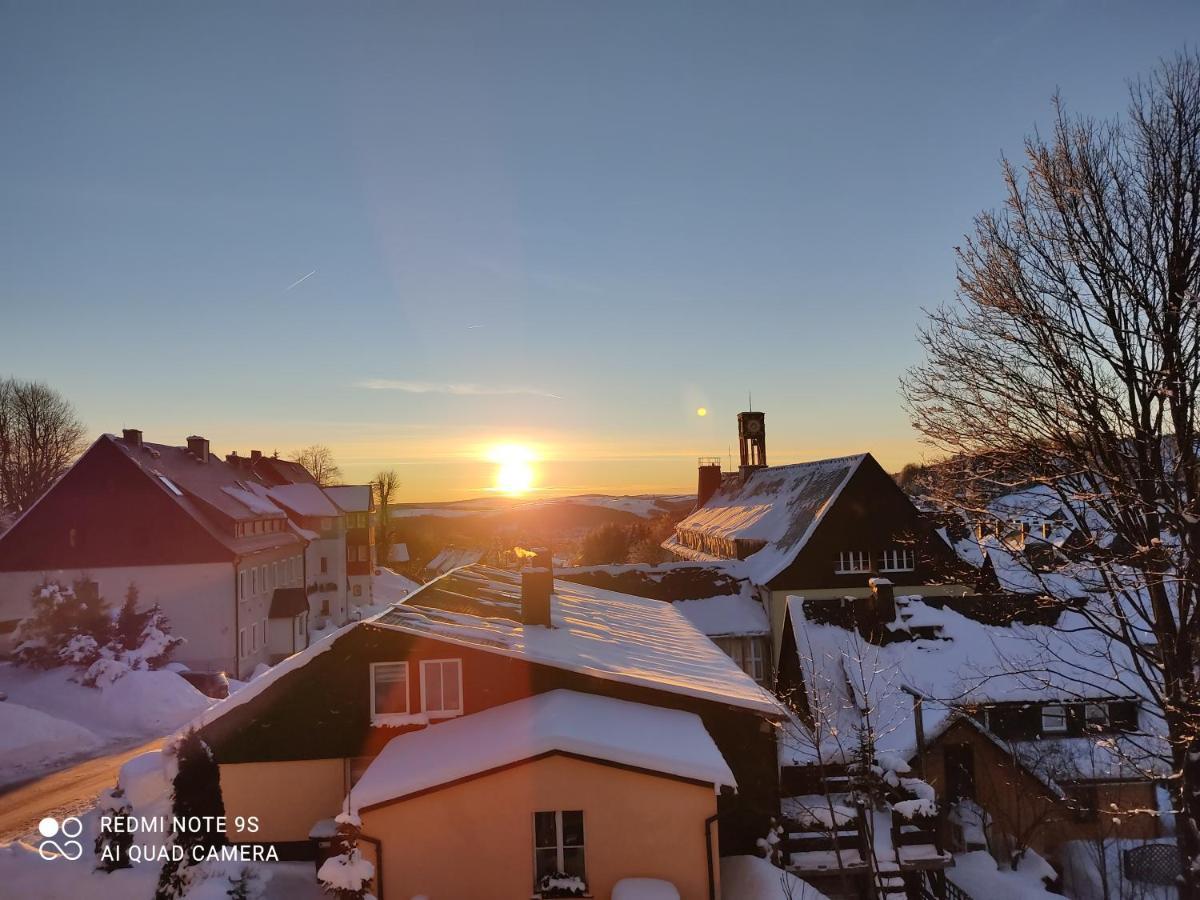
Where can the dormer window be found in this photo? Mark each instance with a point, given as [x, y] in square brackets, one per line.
[853, 562]
[1054, 719]
[898, 559]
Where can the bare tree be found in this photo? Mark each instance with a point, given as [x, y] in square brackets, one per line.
[40, 436]
[318, 459]
[1071, 359]
[386, 483]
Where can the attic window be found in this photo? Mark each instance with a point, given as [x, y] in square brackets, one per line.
[1095, 716]
[389, 689]
[899, 560]
[1054, 718]
[170, 485]
[853, 561]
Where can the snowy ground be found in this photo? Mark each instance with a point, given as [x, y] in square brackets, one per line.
[754, 878]
[978, 875]
[49, 720]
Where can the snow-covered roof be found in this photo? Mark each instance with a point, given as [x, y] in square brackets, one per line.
[969, 663]
[670, 741]
[728, 615]
[453, 558]
[350, 497]
[304, 500]
[766, 520]
[609, 635]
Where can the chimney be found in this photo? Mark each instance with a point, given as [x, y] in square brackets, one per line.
[537, 584]
[132, 436]
[198, 447]
[710, 479]
[883, 600]
[255, 455]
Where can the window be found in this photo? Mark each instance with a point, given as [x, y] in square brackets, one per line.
[1083, 801]
[73, 538]
[254, 638]
[349, 553]
[1054, 718]
[557, 844]
[1095, 716]
[748, 653]
[362, 554]
[242, 643]
[850, 561]
[242, 585]
[441, 687]
[898, 560]
[389, 689]
[274, 582]
[358, 590]
[262, 577]
[324, 564]
[254, 580]
[170, 485]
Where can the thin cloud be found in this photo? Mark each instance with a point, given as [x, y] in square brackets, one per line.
[300, 281]
[454, 389]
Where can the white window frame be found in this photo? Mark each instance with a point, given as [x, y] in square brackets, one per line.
[262, 578]
[560, 864]
[241, 584]
[898, 559]
[242, 654]
[253, 637]
[394, 718]
[1060, 717]
[441, 713]
[853, 562]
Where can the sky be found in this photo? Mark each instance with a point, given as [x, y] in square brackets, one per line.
[412, 232]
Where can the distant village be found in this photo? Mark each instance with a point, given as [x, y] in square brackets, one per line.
[805, 675]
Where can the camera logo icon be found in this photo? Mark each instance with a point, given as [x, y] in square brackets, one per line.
[69, 828]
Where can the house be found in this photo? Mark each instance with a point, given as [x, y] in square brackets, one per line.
[1022, 720]
[178, 523]
[449, 558]
[721, 605]
[357, 503]
[573, 784]
[469, 643]
[821, 528]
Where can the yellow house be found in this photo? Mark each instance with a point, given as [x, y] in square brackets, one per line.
[565, 788]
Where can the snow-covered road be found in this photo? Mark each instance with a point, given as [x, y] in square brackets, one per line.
[65, 792]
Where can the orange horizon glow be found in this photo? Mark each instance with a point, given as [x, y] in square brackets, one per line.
[515, 473]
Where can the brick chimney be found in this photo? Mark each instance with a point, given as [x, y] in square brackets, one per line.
[132, 436]
[709, 481]
[537, 584]
[198, 447]
[255, 455]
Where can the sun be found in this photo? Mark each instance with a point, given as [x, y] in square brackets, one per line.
[514, 468]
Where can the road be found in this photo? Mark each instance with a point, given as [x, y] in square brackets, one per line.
[61, 793]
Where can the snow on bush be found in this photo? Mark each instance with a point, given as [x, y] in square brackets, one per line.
[346, 874]
[72, 626]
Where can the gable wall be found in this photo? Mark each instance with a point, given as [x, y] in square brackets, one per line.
[119, 516]
[871, 514]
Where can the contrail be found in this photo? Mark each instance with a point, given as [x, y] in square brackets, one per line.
[300, 281]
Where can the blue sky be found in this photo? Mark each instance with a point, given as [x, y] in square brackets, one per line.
[566, 224]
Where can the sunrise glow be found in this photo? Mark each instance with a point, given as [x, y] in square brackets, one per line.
[514, 468]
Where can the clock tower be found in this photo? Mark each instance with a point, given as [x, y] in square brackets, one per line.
[752, 442]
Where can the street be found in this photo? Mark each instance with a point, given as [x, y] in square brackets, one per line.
[61, 793]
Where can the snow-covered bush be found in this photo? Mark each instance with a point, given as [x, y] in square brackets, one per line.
[73, 627]
[346, 874]
[66, 626]
[112, 847]
[196, 792]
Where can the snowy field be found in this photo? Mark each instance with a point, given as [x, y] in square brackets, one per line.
[49, 720]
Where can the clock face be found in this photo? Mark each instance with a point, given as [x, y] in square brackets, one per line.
[754, 426]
